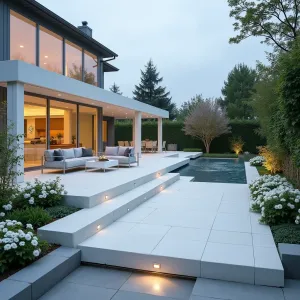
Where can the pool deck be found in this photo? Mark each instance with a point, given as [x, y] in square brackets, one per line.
[186, 228]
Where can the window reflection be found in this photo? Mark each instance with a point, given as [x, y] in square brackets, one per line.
[90, 68]
[88, 127]
[22, 38]
[50, 50]
[73, 67]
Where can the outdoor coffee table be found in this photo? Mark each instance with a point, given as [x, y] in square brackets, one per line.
[102, 165]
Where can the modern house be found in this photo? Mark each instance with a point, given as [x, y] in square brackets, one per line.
[52, 84]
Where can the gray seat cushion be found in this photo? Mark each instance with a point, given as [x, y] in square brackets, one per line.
[54, 164]
[49, 155]
[75, 162]
[78, 152]
[123, 159]
[68, 153]
[112, 151]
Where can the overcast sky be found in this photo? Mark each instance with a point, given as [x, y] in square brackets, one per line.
[187, 40]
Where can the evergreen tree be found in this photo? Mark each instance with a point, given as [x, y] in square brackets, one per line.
[187, 106]
[237, 92]
[115, 89]
[149, 90]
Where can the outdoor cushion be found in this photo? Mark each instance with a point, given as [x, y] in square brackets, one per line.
[58, 155]
[122, 151]
[49, 155]
[122, 159]
[74, 162]
[86, 158]
[78, 152]
[54, 164]
[131, 150]
[111, 151]
[127, 152]
[87, 152]
[68, 153]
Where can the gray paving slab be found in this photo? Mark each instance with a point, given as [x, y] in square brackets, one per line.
[159, 286]
[74, 291]
[15, 290]
[235, 291]
[193, 297]
[124, 295]
[106, 278]
[291, 289]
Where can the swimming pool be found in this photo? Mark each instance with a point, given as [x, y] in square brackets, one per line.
[215, 170]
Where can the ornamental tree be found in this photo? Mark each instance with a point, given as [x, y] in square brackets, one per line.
[206, 122]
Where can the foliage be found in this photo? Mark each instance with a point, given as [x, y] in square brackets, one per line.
[262, 170]
[43, 194]
[76, 73]
[192, 150]
[115, 89]
[61, 211]
[237, 144]
[18, 245]
[272, 161]
[36, 216]
[286, 233]
[237, 92]
[206, 122]
[151, 92]
[276, 21]
[257, 161]
[172, 133]
[10, 145]
[188, 106]
[220, 155]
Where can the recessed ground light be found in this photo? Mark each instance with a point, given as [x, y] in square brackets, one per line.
[45, 63]
[156, 266]
[98, 227]
[128, 209]
[158, 174]
[46, 56]
[145, 198]
[106, 197]
[161, 187]
[21, 46]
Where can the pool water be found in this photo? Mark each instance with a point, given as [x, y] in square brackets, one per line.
[215, 170]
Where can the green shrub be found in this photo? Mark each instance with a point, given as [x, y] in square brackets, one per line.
[36, 216]
[18, 245]
[192, 150]
[286, 233]
[44, 194]
[220, 155]
[61, 211]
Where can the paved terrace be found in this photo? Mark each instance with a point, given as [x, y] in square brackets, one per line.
[187, 228]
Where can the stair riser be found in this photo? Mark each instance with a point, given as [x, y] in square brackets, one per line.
[88, 202]
[72, 240]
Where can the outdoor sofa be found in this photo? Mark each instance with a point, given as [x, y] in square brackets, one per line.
[124, 155]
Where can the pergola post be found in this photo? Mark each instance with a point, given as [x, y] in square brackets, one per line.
[15, 119]
[138, 132]
[159, 134]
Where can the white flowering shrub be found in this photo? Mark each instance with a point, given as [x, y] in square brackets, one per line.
[262, 185]
[18, 245]
[257, 161]
[43, 194]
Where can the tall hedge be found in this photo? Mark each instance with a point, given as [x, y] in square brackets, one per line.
[173, 134]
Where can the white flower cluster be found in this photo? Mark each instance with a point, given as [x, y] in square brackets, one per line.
[276, 188]
[257, 161]
[13, 237]
[6, 207]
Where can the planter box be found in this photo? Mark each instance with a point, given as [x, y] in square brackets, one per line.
[290, 256]
[172, 147]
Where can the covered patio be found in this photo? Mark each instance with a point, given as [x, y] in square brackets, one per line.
[19, 81]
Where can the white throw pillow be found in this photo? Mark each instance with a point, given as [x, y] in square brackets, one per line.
[111, 151]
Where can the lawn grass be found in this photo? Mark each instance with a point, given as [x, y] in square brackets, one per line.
[262, 170]
[220, 155]
[192, 150]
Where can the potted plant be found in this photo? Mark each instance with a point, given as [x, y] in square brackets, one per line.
[73, 139]
[172, 146]
[59, 137]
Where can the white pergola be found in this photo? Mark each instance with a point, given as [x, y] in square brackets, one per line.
[20, 77]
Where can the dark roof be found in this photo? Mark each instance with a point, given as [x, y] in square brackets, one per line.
[109, 68]
[68, 27]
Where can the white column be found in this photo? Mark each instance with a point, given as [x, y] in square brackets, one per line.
[133, 131]
[159, 135]
[138, 132]
[15, 119]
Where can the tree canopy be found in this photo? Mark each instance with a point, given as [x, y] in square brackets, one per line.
[115, 89]
[237, 92]
[187, 106]
[276, 21]
[151, 92]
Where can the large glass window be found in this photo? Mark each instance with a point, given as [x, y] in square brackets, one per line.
[88, 127]
[22, 38]
[90, 68]
[35, 130]
[62, 125]
[50, 50]
[73, 67]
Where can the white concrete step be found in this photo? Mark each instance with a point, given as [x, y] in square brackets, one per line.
[74, 229]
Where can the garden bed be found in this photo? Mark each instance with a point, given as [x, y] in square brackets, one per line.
[220, 155]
